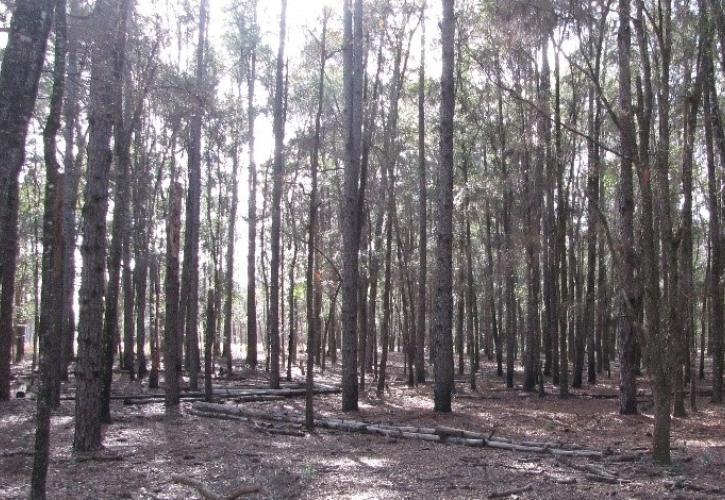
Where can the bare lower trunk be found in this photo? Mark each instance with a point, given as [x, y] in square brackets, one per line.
[172, 333]
[444, 237]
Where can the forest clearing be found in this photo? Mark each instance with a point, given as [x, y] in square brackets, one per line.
[362, 249]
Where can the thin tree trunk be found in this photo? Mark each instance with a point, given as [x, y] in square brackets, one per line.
[209, 335]
[313, 331]
[120, 215]
[422, 214]
[189, 306]
[252, 210]
[154, 318]
[229, 276]
[52, 289]
[72, 167]
[172, 330]
[277, 180]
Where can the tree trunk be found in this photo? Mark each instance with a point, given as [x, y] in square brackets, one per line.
[386, 326]
[121, 144]
[444, 237]
[209, 335]
[691, 102]
[252, 210]
[72, 167]
[352, 119]
[22, 64]
[714, 128]
[630, 298]
[154, 318]
[277, 181]
[52, 289]
[172, 330]
[229, 276]
[422, 215]
[90, 321]
[189, 307]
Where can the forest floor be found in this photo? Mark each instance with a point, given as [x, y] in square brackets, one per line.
[144, 447]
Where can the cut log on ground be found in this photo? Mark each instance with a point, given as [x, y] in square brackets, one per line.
[222, 393]
[440, 434]
[238, 395]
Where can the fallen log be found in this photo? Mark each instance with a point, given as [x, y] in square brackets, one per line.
[441, 434]
[239, 395]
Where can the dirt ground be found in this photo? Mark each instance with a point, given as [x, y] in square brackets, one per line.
[145, 448]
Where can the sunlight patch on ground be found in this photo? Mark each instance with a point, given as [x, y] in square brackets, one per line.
[369, 494]
[342, 464]
[373, 462]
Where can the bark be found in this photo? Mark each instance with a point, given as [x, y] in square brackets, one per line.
[715, 303]
[291, 334]
[444, 238]
[172, 330]
[229, 276]
[277, 180]
[72, 167]
[550, 295]
[93, 250]
[385, 327]
[312, 318]
[352, 119]
[119, 227]
[508, 256]
[369, 363]
[142, 237]
[629, 300]
[592, 218]
[189, 307]
[655, 346]
[209, 335]
[690, 106]
[22, 64]
[491, 296]
[154, 318]
[129, 357]
[252, 209]
[713, 116]
[563, 217]
[52, 289]
[535, 187]
[422, 215]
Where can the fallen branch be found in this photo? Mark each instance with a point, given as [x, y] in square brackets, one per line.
[238, 395]
[210, 495]
[605, 479]
[513, 491]
[687, 485]
[15, 453]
